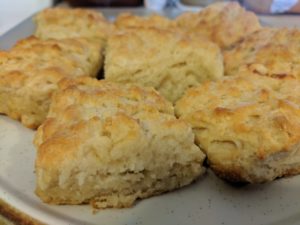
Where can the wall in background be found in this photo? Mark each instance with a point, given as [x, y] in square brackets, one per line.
[13, 12]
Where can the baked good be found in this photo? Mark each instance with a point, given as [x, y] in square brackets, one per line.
[128, 20]
[224, 23]
[62, 23]
[167, 60]
[248, 126]
[269, 52]
[30, 71]
[108, 145]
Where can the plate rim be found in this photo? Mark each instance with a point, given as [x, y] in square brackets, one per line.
[16, 216]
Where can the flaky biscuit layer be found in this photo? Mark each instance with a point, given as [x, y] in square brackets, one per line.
[167, 60]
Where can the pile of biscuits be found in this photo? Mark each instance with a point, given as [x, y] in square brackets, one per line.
[212, 85]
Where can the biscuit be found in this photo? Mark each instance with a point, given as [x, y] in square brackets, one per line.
[269, 52]
[127, 20]
[248, 126]
[62, 23]
[167, 60]
[109, 144]
[30, 71]
[224, 23]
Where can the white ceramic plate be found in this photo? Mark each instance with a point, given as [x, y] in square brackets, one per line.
[208, 201]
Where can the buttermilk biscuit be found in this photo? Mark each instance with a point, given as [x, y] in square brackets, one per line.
[223, 23]
[167, 60]
[62, 23]
[108, 145]
[127, 20]
[29, 73]
[248, 126]
[268, 52]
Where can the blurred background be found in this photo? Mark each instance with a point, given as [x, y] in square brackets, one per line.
[13, 12]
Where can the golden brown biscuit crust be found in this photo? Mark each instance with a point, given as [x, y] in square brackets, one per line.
[223, 23]
[62, 23]
[269, 52]
[167, 60]
[249, 127]
[128, 20]
[30, 71]
[109, 145]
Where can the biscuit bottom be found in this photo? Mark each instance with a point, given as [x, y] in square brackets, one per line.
[253, 170]
[119, 190]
